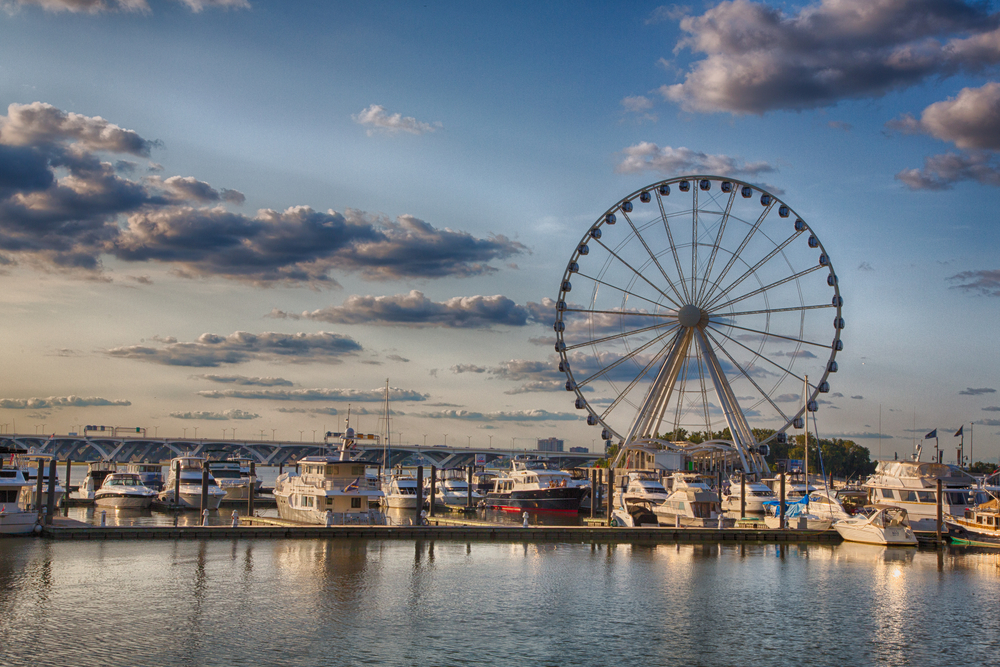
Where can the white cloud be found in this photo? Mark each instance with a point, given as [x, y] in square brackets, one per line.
[647, 156]
[377, 120]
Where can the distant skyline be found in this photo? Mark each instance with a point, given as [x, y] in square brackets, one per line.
[249, 215]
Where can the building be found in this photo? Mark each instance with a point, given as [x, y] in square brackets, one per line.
[579, 449]
[550, 445]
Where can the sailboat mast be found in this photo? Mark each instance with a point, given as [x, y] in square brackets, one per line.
[805, 424]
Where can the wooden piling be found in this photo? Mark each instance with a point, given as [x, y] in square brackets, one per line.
[177, 485]
[743, 495]
[940, 513]
[420, 494]
[433, 489]
[51, 503]
[468, 501]
[781, 500]
[204, 486]
[38, 489]
[253, 487]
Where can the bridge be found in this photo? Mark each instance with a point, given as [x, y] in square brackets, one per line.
[140, 449]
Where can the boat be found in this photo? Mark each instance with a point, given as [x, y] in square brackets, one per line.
[97, 471]
[979, 526]
[229, 476]
[483, 481]
[885, 525]
[151, 474]
[691, 503]
[795, 486]
[912, 486]
[30, 465]
[634, 514]
[399, 491]
[798, 515]
[14, 520]
[190, 473]
[531, 484]
[124, 490]
[327, 489]
[642, 485]
[452, 488]
[757, 494]
[827, 504]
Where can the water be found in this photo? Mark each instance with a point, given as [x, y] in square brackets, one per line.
[341, 602]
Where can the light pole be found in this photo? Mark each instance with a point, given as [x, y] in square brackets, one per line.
[300, 434]
[156, 431]
[234, 433]
[195, 431]
[223, 434]
[470, 440]
[185, 433]
[491, 442]
[425, 439]
[273, 431]
[445, 439]
[314, 435]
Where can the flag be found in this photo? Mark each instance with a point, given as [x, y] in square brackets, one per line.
[959, 431]
[353, 486]
[932, 434]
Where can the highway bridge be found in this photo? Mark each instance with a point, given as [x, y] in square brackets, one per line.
[141, 449]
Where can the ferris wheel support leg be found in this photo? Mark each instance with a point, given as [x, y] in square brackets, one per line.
[655, 404]
[738, 426]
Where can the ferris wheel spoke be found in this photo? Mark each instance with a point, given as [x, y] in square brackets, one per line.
[758, 354]
[752, 270]
[629, 313]
[673, 246]
[704, 396]
[739, 251]
[625, 291]
[636, 272]
[777, 283]
[622, 335]
[715, 246]
[623, 358]
[768, 334]
[694, 238]
[652, 256]
[780, 310]
[631, 385]
[749, 377]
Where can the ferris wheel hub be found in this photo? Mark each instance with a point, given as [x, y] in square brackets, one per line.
[689, 316]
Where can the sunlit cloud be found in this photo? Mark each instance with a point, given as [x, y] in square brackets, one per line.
[61, 402]
[216, 416]
[376, 119]
[361, 395]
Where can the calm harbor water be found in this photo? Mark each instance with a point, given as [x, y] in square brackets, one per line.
[340, 602]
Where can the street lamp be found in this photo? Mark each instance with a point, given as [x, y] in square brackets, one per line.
[223, 434]
[491, 442]
[300, 434]
[156, 431]
[470, 440]
[195, 431]
[185, 432]
[273, 431]
[445, 439]
[425, 439]
[314, 435]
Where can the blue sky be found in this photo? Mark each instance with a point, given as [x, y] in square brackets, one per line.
[247, 215]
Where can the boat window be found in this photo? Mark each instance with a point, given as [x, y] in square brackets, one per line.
[355, 503]
[956, 498]
[887, 494]
[926, 496]
[357, 470]
[8, 495]
[908, 496]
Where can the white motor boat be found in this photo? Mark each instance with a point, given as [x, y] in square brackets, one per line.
[531, 484]
[151, 474]
[912, 486]
[326, 490]
[826, 504]
[190, 470]
[452, 488]
[124, 490]
[30, 465]
[97, 472]
[13, 519]
[887, 525]
[757, 494]
[691, 503]
[798, 515]
[642, 485]
[229, 476]
[400, 491]
[634, 514]
[795, 486]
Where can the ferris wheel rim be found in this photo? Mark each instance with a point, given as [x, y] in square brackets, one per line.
[699, 294]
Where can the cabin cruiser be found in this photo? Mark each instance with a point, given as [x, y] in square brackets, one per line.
[912, 485]
[483, 481]
[124, 490]
[229, 476]
[190, 473]
[826, 504]
[452, 488]
[28, 498]
[151, 474]
[531, 484]
[757, 494]
[795, 486]
[14, 520]
[634, 514]
[97, 471]
[642, 485]
[326, 490]
[798, 515]
[691, 503]
[980, 525]
[886, 525]
[400, 491]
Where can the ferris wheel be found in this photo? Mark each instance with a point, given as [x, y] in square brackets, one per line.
[695, 304]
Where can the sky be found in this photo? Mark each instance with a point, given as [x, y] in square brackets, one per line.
[241, 218]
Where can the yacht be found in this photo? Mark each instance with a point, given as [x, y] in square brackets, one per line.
[795, 486]
[229, 476]
[531, 484]
[97, 471]
[691, 503]
[757, 494]
[798, 515]
[14, 520]
[28, 498]
[327, 489]
[634, 514]
[826, 504]
[151, 474]
[452, 488]
[980, 525]
[124, 490]
[887, 525]
[190, 469]
[642, 485]
[400, 491]
[912, 486]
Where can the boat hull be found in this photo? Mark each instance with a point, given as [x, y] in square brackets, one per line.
[17, 523]
[889, 536]
[124, 501]
[192, 498]
[317, 517]
[962, 531]
[562, 499]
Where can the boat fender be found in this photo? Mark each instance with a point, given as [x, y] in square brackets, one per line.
[525, 516]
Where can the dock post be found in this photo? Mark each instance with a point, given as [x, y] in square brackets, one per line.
[281, 468]
[433, 482]
[38, 489]
[593, 493]
[253, 487]
[68, 469]
[420, 495]
[177, 485]
[611, 492]
[743, 494]
[51, 503]
[781, 500]
[939, 510]
[204, 486]
[468, 502]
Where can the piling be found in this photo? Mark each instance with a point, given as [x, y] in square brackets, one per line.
[38, 490]
[253, 487]
[743, 495]
[593, 493]
[68, 469]
[781, 500]
[51, 504]
[204, 486]
[611, 492]
[420, 494]
[468, 502]
[939, 510]
[177, 485]
[433, 490]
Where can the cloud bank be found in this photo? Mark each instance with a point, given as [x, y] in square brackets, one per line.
[60, 402]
